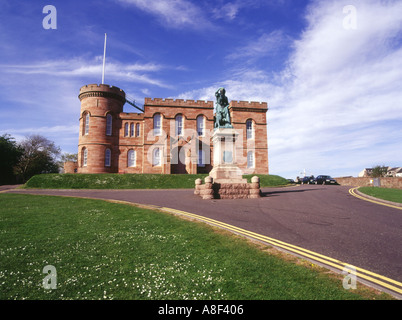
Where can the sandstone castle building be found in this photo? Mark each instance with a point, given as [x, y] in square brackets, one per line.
[167, 137]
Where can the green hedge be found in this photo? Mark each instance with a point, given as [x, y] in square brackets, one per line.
[131, 181]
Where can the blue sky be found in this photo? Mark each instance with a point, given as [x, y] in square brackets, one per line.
[332, 76]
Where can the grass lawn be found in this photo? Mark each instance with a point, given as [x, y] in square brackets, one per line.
[131, 181]
[104, 250]
[394, 195]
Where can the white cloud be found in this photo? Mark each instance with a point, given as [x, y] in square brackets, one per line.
[266, 45]
[336, 107]
[91, 68]
[172, 13]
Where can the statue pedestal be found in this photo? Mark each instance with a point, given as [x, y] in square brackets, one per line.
[225, 168]
[225, 181]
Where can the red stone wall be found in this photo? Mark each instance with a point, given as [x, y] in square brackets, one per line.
[391, 182]
[100, 100]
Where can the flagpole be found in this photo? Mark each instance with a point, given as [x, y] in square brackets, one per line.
[104, 60]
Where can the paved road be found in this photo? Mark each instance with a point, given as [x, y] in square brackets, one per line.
[324, 219]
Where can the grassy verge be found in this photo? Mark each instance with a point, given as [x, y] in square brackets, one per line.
[130, 181]
[105, 250]
[394, 195]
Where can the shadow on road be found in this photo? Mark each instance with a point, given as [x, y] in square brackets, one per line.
[275, 193]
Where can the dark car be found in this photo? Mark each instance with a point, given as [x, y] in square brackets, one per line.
[308, 180]
[324, 180]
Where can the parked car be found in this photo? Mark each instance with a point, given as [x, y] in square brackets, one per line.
[324, 180]
[308, 180]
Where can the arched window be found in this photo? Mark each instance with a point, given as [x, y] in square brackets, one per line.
[179, 125]
[250, 159]
[131, 158]
[126, 129]
[108, 157]
[201, 158]
[157, 124]
[250, 129]
[137, 130]
[84, 157]
[109, 121]
[86, 123]
[132, 130]
[200, 126]
[156, 157]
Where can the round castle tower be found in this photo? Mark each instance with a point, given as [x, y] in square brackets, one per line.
[99, 128]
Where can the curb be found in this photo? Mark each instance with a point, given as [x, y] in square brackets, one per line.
[377, 200]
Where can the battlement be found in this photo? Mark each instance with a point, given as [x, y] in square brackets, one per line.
[178, 103]
[102, 90]
[249, 104]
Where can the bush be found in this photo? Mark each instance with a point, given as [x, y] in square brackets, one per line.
[131, 181]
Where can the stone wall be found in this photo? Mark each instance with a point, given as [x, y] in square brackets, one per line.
[211, 190]
[179, 153]
[368, 182]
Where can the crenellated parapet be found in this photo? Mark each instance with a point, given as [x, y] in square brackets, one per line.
[178, 103]
[102, 91]
[248, 106]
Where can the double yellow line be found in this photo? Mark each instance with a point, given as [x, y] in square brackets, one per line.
[353, 193]
[372, 277]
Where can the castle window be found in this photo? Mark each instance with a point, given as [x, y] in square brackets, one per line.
[86, 124]
[108, 157]
[200, 126]
[132, 130]
[156, 157]
[201, 158]
[131, 158]
[157, 124]
[109, 121]
[137, 130]
[179, 125]
[250, 159]
[249, 129]
[84, 157]
[126, 129]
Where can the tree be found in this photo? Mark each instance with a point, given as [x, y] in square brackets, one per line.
[10, 154]
[69, 157]
[39, 156]
[379, 171]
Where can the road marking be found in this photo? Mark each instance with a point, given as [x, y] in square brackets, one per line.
[372, 277]
[353, 193]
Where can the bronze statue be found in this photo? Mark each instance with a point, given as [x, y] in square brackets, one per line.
[222, 116]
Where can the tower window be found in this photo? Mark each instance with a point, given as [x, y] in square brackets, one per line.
[108, 156]
[86, 124]
[109, 121]
[84, 157]
[126, 129]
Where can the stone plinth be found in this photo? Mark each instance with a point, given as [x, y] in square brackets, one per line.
[225, 168]
[225, 181]
[241, 190]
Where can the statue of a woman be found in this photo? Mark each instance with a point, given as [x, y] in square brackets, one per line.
[222, 115]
